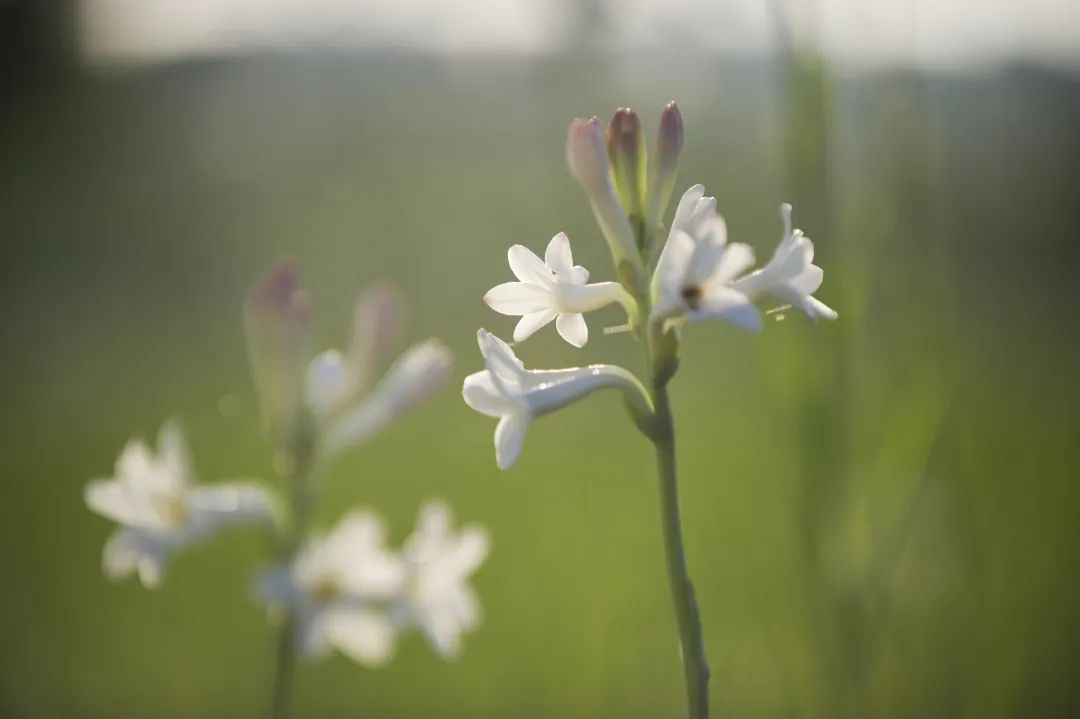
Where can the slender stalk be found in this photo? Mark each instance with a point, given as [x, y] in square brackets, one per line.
[300, 461]
[284, 672]
[691, 640]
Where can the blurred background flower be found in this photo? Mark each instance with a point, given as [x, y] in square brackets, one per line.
[882, 520]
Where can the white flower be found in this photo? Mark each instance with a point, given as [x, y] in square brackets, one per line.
[790, 276]
[552, 289]
[694, 274]
[515, 395]
[336, 382]
[439, 561]
[154, 499]
[336, 590]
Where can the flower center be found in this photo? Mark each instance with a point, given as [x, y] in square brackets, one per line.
[692, 295]
[173, 511]
[326, 590]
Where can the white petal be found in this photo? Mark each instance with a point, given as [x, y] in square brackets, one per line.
[558, 256]
[518, 298]
[809, 280]
[527, 267]
[578, 275]
[673, 264]
[130, 550]
[481, 393]
[509, 438]
[367, 637]
[174, 453]
[136, 462]
[816, 308]
[737, 258]
[499, 358]
[731, 305]
[328, 383]
[112, 500]
[685, 209]
[572, 328]
[530, 323]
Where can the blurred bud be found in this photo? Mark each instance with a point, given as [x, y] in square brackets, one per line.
[376, 329]
[626, 148]
[665, 161]
[587, 155]
[412, 380]
[277, 321]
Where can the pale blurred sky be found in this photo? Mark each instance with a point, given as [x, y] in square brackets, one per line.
[854, 33]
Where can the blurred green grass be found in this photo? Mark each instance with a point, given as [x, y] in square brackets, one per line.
[880, 512]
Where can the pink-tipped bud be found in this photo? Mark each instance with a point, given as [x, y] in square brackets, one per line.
[665, 160]
[586, 153]
[377, 324]
[626, 149]
[277, 320]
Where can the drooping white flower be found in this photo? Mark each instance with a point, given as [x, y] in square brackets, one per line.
[790, 276]
[553, 289]
[697, 266]
[515, 395]
[435, 595]
[337, 382]
[337, 588]
[160, 509]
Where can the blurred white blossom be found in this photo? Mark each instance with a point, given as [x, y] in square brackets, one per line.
[336, 590]
[790, 276]
[435, 595]
[515, 395]
[347, 590]
[154, 499]
[337, 383]
[552, 289]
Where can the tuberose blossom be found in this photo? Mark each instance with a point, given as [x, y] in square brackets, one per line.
[435, 595]
[338, 383]
[552, 289]
[336, 590]
[346, 590]
[160, 509]
[790, 276]
[515, 395]
[697, 266]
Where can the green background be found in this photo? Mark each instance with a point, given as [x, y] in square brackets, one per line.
[880, 512]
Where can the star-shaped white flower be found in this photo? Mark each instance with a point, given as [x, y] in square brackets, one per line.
[436, 596]
[160, 509]
[697, 266]
[790, 276]
[337, 588]
[515, 395]
[553, 289]
[337, 382]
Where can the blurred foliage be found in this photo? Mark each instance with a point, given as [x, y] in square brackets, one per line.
[881, 512]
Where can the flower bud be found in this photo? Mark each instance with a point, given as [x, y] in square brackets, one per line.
[665, 161]
[626, 148]
[277, 321]
[376, 328]
[587, 155]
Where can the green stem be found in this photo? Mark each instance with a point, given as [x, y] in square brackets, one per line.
[284, 672]
[691, 640]
[300, 462]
